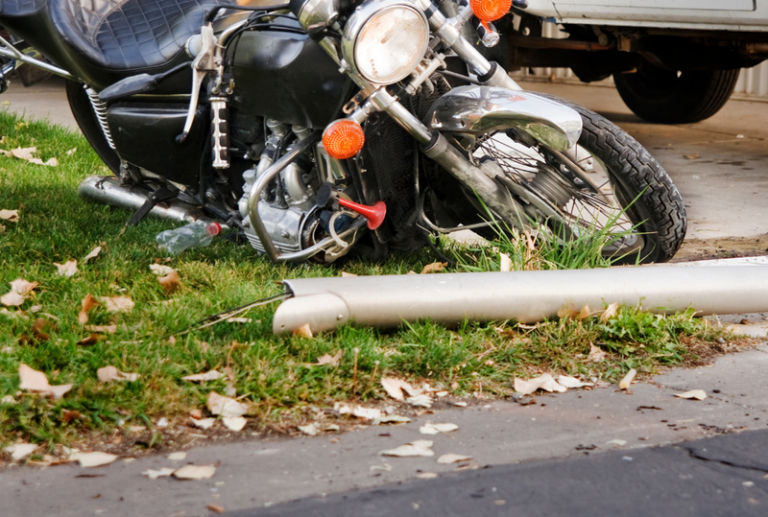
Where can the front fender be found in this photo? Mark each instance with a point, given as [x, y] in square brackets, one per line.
[480, 109]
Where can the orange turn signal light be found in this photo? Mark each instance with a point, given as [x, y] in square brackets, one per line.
[490, 10]
[343, 139]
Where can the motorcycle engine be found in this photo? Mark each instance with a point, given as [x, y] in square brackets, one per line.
[287, 205]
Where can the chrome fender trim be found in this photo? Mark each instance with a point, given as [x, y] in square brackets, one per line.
[479, 109]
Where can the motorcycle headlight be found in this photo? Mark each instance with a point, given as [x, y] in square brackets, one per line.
[384, 40]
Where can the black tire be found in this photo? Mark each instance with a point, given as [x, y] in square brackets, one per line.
[86, 119]
[657, 212]
[667, 97]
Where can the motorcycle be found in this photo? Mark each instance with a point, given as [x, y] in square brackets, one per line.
[316, 128]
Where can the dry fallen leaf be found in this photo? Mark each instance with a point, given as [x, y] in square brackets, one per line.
[332, 360]
[19, 451]
[93, 254]
[416, 448]
[303, 331]
[12, 299]
[344, 274]
[24, 153]
[693, 394]
[572, 382]
[20, 291]
[170, 282]
[422, 400]
[584, 313]
[367, 413]
[627, 380]
[108, 329]
[596, 354]
[544, 382]
[225, 406]
[93, 459]
[426, 475]
[203, 423]
[38, 329]
[505, 263]
[396, 387]
[37, 382]
[195, 472]
[177, 456]
[693, 156]
[12, 216]
[67, 269]
[87, 303]
[437, 428]
[110, 373]
[434, 267]
[391, 419]
[161, 270]
[201, 377]
[447, 459]
[568, 312]
[215, 508]
[162, 473]
[72, 151]
[118, 303]
[236, 423]
[23, 287]
[609, 312]
[309, 429]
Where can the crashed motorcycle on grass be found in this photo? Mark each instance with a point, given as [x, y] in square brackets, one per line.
[323, 127]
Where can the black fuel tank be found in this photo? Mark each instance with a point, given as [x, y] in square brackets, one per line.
[287, 77]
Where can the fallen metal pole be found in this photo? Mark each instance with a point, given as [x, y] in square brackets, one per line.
[527, 296]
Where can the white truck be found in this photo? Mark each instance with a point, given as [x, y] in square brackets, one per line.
[673, 61]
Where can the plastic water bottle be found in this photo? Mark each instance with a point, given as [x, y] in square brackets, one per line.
[194, 235]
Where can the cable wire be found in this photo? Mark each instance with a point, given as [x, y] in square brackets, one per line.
[230, 313]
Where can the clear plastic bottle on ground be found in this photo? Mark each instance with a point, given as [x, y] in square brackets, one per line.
[194, 235]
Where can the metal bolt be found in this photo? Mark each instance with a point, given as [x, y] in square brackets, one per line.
[285, 234]
[210, 195]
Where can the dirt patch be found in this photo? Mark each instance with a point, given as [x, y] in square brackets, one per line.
[704, 249]
[704, 353]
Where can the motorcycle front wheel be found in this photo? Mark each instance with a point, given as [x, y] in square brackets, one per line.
[608, 182]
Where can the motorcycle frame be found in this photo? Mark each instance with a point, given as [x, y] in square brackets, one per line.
[7, 49]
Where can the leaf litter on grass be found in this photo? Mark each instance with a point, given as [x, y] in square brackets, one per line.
[273, 375]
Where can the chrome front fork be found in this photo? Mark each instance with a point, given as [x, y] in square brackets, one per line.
[433, 143]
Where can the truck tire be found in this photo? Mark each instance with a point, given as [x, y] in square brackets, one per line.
[669, 97]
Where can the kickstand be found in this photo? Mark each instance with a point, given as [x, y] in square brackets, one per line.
[158, 196]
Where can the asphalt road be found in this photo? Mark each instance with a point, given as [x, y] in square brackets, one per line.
[721, 476]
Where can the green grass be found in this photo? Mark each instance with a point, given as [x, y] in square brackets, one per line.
[272, 374]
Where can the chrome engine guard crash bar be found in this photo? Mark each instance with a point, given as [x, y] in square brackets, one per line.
[258, 225]
[8, 50]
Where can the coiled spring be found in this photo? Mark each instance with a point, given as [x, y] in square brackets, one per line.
[100, 110]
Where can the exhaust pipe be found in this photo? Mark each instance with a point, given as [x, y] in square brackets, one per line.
[526, 296]
[108, 191]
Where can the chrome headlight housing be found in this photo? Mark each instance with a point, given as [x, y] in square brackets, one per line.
[385, 40]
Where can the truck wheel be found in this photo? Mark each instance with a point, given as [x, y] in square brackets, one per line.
[670, 97]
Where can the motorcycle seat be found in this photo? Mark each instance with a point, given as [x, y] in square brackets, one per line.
[128, 34]
[103, 41]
